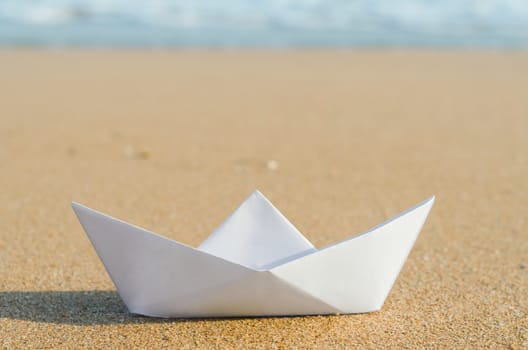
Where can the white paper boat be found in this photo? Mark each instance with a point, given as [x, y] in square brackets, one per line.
[255, 264]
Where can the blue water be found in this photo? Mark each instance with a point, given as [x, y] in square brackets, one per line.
[272, 23]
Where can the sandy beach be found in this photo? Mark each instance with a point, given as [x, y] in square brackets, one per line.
[339, 141]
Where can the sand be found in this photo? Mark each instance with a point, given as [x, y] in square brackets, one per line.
[339, 141]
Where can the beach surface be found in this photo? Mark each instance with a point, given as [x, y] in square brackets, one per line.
[339, 141]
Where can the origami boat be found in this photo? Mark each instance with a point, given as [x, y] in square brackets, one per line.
[255, 264]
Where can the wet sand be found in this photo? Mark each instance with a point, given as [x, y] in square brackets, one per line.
[338, 141]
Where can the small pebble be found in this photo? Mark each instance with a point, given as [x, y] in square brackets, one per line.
[272, 165]
[143, 154]
[131, 152]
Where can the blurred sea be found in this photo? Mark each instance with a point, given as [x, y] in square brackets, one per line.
[271, 23]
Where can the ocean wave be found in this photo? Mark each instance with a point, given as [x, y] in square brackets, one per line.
[335, 21]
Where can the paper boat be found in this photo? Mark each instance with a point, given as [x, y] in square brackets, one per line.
[255, 264]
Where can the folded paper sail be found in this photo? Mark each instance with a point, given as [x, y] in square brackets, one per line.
[255, 264]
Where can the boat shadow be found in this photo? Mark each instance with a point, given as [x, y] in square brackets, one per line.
[95, 307]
